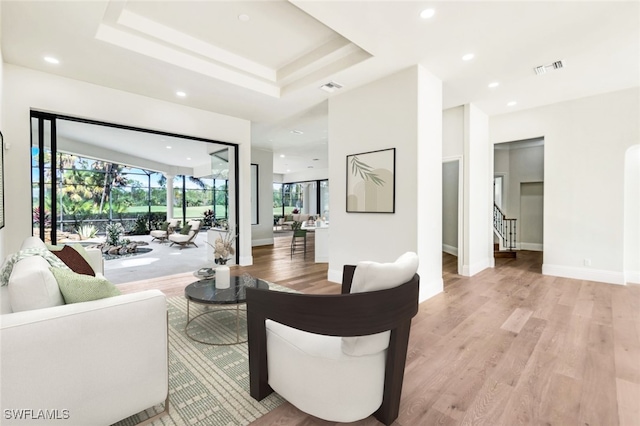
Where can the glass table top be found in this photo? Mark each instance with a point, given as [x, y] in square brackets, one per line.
[205, 291]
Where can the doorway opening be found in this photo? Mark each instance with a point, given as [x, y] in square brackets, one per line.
[452, 200]
[87, 175]
[518, 222]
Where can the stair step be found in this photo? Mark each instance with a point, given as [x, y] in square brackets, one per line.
[509, 254]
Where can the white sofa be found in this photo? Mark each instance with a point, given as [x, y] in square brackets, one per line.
[296, 217]
[93, 363]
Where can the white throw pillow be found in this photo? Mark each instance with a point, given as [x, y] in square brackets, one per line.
[33, 286]
[373, 276]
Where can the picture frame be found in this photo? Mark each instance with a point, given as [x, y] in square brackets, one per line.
[1, 181]
[371, 182]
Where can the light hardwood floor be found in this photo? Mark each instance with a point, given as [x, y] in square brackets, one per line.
[508, 346]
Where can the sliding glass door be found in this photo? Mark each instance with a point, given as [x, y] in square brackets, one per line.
[88, 174]
[44, 176]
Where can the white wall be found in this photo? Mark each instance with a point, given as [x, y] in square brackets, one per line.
[402, 111]
[26, 89]
[453, 132]
[262, 233]
[585, 144]
[632, 215]
[3, 250]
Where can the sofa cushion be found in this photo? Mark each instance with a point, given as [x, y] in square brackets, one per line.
[185, 230]
[164, 226]
[300, 363]
[74, 260]
[372, 276]
[76, 288]
[32, 242]
[33, 286]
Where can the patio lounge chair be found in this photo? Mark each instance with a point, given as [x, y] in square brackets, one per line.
[162, 234]
[186, 238]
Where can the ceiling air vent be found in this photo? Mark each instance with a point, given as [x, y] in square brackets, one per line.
[542, 69]
[331, 87]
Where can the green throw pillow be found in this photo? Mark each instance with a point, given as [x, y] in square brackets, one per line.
[185, 230]
[76, 288]
[164, 226]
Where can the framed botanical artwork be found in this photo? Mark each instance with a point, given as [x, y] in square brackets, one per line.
[371, 182]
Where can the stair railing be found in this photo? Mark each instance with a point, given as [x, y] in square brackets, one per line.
[506, 228]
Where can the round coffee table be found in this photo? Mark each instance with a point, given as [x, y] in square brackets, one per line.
[204, 292]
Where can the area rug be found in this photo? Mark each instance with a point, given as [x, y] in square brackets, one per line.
[208, 385]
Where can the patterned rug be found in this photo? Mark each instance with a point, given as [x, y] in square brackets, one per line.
[208, 385]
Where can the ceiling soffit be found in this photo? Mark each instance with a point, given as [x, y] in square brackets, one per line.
[260, 54]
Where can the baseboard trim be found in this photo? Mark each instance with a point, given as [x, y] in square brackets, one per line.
[335, 276]
[532, 246]
[431, 289]
[589, 274]
[632, 277]
[246, 260]
[450, 249]
[262, 242]
[471, 270]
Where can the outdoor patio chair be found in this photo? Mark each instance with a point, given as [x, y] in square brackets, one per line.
[166, 229]
[186, 236]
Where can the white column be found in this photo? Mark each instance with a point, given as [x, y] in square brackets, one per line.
[478, 192]
[169, 195]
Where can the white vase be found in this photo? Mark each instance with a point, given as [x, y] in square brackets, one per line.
[223, 276]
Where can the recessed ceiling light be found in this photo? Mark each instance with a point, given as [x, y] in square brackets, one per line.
[288, 170]
[494, 84]
[468, 57]
[281, 155]
[512, 103]
[243, 17]
[188, 158]
[168, 147]
[51, 60]
[297, 132]
[181, 94]
[427, 13]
